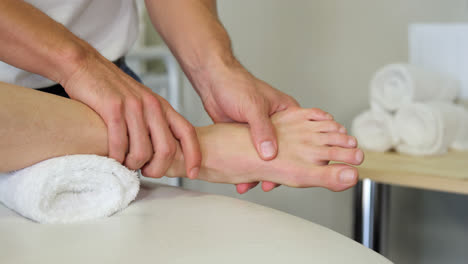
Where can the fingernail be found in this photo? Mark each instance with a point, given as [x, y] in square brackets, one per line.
[268, 149]
[194, 173]
[352, 142]
[347, 176]
[359, 155]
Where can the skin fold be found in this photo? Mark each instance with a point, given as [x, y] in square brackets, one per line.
[38, 126]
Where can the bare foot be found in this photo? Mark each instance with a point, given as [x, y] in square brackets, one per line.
[305, 149]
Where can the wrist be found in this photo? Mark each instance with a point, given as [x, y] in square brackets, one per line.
[73, 57]
[205, 74]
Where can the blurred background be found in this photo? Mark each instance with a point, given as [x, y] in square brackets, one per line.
[323, 53]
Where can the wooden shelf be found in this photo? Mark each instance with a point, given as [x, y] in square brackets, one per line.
[442, 173]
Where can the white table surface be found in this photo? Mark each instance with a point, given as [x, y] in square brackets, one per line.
[173, 225]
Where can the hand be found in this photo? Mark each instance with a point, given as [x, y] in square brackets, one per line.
[142, 126]
[232, 94]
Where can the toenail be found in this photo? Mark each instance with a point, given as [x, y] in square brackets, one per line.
[347, 176]
[352, 142]
[329, 117]
[359, 155]
[342, 130]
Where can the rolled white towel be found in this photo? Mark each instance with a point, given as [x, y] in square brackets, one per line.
[398, 84]
[374, 130]
[69, 189]
[426, 128]
[461, 136]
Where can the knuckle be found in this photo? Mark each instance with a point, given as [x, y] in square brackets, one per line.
[141, 157]
[131, 164]
[189, 129]
[115, 111]
[134, 103]
[331, 152]
[333, 126]
[116, 105]
[167, 152]
[340, 139]
[152, 172]
[328, 180]
[336, 125]
[152, 101]
[118, 144]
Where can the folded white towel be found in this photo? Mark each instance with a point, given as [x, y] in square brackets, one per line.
[426, 128]
[374, 130]
[461, 136]
[69, 188]
[398, 84]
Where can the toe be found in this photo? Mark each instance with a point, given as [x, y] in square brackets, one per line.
[245, 187]
[328, 126]
[335, 177]
[352, 156]
[268, 186]
[338, 140]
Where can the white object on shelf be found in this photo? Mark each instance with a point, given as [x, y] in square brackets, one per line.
[441, 47]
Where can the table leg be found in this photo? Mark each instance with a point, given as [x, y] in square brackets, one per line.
[371, 208]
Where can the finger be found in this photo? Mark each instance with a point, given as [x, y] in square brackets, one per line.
[263, 135]
[164, 143]
[268, 186]
[351, 156]
[187, 135]
[245, 187]
[116, 130]
[335, 177]
[141, 149]
[337, 139]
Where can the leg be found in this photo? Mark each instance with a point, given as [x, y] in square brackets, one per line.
[36, 126]
[39, 126]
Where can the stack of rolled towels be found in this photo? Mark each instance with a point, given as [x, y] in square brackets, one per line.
[413, 111]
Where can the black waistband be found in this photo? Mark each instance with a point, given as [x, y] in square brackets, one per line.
[57, 89]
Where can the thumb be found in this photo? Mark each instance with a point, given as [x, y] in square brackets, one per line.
[263, 135]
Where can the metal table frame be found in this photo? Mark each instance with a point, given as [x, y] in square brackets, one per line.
[371, 209]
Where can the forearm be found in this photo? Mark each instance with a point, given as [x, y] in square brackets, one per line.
[32, 41]
[195, 35]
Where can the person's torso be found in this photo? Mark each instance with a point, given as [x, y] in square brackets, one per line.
[110, 26]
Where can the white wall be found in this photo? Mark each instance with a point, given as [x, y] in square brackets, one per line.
[323, 53]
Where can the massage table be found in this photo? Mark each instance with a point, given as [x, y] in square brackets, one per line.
[172, 225]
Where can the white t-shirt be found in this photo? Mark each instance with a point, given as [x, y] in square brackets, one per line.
[110, 26]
